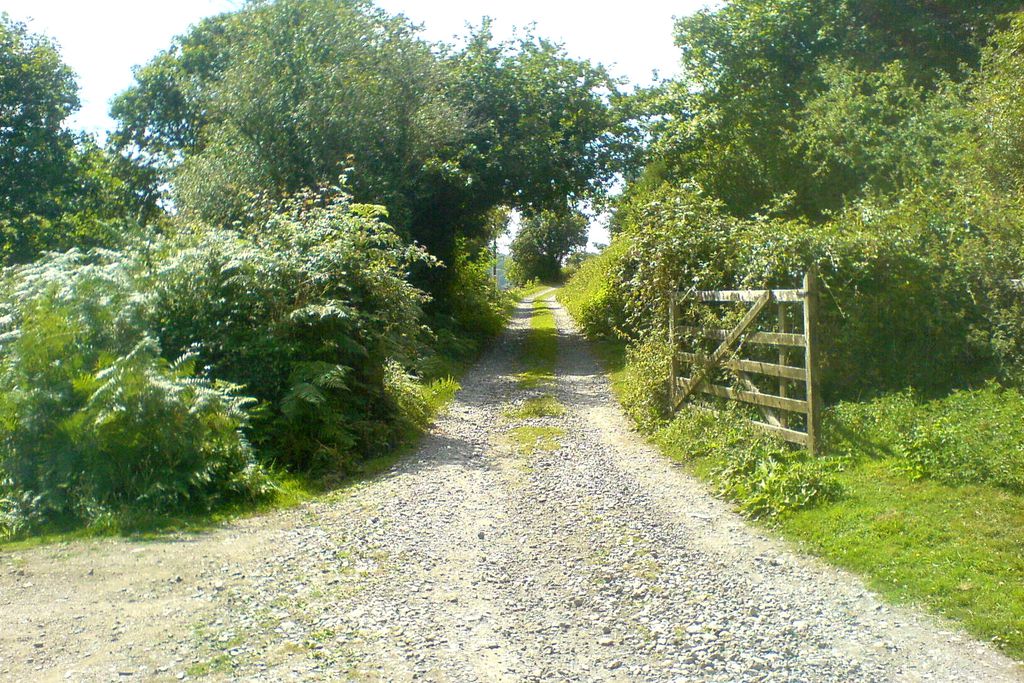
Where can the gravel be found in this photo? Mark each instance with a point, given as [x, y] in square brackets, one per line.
[470, 561]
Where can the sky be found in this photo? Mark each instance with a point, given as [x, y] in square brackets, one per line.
[103, 39]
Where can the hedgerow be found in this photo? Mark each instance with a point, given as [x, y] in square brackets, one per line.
[593, 293]
[298, 338]
[917, 260]
[907, 300]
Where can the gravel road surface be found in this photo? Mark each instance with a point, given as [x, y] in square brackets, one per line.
[474, 559]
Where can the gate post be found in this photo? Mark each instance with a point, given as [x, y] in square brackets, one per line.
[673, 368]
[811, 360]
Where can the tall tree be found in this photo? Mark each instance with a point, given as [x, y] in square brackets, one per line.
[290, 94]
[751, 67]
[57, 189]
[37, 93]
[544, 241]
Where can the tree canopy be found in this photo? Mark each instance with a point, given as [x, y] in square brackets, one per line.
[291, 94]
[37, 93]
[58, 189]
[752, 68]
[544, 241]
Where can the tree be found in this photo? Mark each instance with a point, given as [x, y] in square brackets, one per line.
[541, 122]
[37, 93]
[57, 189]
[751, 67]
[997, 108]
[289, 94]
[163, 116]
[543, 242]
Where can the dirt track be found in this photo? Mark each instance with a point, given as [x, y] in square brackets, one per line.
[474, 561]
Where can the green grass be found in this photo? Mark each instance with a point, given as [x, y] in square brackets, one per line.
[531, 289]
[539, 353]
[534, 290]
[956, 550]
[220, 664]
[542, 406]
[531, 440]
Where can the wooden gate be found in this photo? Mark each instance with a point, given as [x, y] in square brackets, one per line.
[694, 371]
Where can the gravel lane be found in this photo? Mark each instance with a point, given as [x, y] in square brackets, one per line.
[474, 561]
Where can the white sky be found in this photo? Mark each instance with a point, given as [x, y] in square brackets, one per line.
[103, 39]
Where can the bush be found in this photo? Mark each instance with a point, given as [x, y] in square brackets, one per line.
[479, 310]
[593, 295]
[307, 310]
[765, 477]
[644, 392]
[304, 308]
[92, 419]
[915, 292]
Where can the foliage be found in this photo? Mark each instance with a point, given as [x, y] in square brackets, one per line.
[478, 310]
[305, 309]
[889, 167]
[896, 279]
[286, 95]
[37, 92]
[967, 437]
[751, 68]
[593, 295]
[870, 132]
[765, 477]
[57, 190]
[416, 402]
[544, 129]
[644, 385]
[309, 310]
[543, 243]
[92, 418]
[997, 109]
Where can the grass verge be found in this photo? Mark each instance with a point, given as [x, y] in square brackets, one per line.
[955, 550]
[539, 353]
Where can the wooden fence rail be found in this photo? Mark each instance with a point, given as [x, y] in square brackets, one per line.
[776, 408]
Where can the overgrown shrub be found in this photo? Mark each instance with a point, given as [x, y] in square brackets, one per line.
[593, 295]
[644, 392]
[765, 477]
[307, 310]
[415, 401]
[908, 299]
[92, 418]
[304, 308]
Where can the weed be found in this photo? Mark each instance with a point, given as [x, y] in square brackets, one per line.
[542, 406]
[220, 664]
[530, 440]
